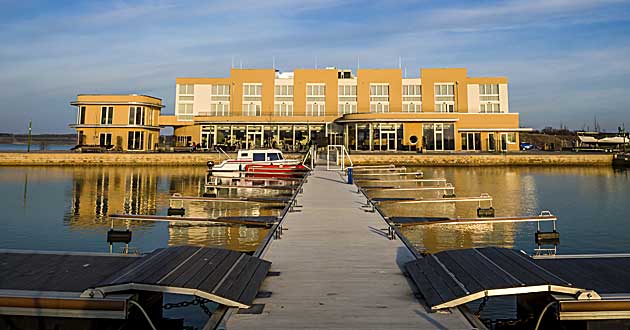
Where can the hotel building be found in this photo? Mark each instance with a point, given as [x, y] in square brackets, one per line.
[374, 110]
[119, 122]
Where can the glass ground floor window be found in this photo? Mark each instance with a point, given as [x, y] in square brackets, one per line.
[287, 137]
[438, 136]
[471, 141]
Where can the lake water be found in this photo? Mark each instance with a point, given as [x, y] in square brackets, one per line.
[66, 208]
[34, 147]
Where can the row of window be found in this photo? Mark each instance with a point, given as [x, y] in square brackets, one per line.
[255, 89]
[137, 115]
[135, 140]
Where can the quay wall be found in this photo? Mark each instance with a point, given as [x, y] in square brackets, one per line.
[194, 159]
[516, 159]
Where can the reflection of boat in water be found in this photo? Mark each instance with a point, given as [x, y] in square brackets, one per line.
[621, 160]
[258, 163]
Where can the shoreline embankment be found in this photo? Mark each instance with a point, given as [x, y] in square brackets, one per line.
[408, 159]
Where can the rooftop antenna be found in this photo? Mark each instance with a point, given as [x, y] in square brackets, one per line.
[273, 62]
[405, 73]
[399, 62]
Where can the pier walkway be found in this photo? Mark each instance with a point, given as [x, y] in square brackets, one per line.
[338, 270]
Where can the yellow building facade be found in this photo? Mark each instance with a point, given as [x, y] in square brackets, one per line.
[374, 110]
[118, 122]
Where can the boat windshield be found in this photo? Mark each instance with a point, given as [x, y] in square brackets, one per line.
[259, 157]
[273, 156]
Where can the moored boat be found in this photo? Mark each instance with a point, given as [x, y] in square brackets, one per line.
[258, 163]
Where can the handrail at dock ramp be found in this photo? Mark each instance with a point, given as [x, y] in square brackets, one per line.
[414, 221]
[263, 221]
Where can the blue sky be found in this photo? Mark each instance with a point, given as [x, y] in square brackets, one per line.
[566, 60]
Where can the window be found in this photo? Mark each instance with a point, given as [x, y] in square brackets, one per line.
[184, 111]
[259, 157]
[184, 140]
[252, 99]
[347, 102]
[283, 100]
[490, 107]
[471, 141]
[105, 140]
[251, 109]
[315, 109]
[379, 98]
[283, 109]
[107, 115]
[315, 99]
[511, 138]
[135, 141]
[444, 97]
[136, 116]
[81, 116]
[489, 98]
[438, 136]
[273, 156]
[219, 101]
[186, 89]
[185, 100]
[412, 98]
[347, 107]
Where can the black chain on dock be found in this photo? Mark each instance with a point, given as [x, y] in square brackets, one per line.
[481, 306]
[201, 302]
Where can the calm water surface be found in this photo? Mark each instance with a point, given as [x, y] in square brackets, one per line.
[66, 208]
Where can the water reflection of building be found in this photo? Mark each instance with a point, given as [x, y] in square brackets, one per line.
[97, 192]
[238, 238]
[514, 194]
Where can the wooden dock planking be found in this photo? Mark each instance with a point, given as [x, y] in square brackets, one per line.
[337, 271]
[481, 272]
[221, 281]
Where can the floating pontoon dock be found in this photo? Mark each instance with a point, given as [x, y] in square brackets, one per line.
[97, 287]
[393, 200]
[448, 186]
[586, 287]
[263, 187]
[414, 174]
[263, 221]
[255, 179]
[377, 180]
[337, 269]
[415, 221]
[255, 200]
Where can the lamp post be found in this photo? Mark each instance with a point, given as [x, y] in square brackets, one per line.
[30, 126]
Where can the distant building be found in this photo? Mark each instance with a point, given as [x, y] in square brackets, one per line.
[376, 110]
[119, 122]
